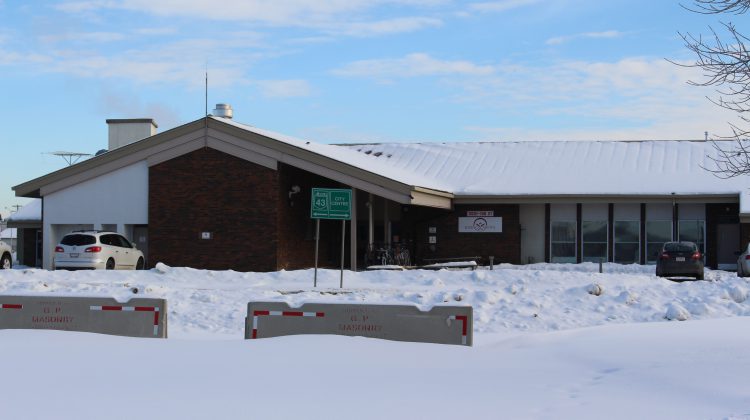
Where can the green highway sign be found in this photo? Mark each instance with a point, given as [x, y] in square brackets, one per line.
[328, 203]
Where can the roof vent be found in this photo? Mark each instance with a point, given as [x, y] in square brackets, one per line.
[223, 110]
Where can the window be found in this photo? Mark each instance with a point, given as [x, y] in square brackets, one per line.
[594, 235]
[627, 241]
[679, 247]
[657, 233]
[105, 239]
[694, 231]
[563, 244]
[122, 242]
[78, 240]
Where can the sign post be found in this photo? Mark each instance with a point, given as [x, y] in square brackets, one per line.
[332, 204]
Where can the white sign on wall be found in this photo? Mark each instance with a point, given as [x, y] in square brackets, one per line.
[480, 224]
[488, 213]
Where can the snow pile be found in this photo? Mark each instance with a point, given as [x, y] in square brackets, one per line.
[509, 299]
[675, 312]
[520, 367]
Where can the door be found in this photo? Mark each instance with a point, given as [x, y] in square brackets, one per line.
[140, 238]
[727, 243]
[38, 249]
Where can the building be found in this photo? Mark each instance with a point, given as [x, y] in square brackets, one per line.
[28, 223]
[218, 194]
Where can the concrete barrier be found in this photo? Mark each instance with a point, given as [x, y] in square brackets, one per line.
[441, 324]
[138, 317]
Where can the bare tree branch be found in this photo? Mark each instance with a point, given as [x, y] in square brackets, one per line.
[726, 67]
[713, 7]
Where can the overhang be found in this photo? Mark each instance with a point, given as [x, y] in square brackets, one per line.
[240, 142]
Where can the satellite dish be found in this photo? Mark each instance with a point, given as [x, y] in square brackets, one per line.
[70, 157]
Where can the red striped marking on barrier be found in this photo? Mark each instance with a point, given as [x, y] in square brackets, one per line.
[256, 314]
[11, 306]
[154, 309]
[465, 321]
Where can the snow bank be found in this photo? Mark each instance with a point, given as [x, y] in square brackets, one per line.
[509, 299]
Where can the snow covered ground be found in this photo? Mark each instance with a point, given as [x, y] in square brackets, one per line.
[546, 346]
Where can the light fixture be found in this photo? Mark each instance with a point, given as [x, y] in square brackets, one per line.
[294, 190]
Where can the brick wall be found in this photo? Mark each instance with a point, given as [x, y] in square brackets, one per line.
[211, 191]
[505, 246]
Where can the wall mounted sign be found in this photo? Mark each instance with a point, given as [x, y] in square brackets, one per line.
[488, 213]
[480, 224]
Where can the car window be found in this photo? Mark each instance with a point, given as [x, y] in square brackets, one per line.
[680, 247]
[78, 240]
[124, 242]
[108, 240]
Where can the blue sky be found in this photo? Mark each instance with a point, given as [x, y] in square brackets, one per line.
[347, 71]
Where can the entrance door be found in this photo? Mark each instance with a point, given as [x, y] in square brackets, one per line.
[38, 249]
[140, 238]
[727, 243]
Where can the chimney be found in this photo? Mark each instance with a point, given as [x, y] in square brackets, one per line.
[223, 110]
[124, 132]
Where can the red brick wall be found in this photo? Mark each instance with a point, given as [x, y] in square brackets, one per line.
[505, 246]
[211, 191]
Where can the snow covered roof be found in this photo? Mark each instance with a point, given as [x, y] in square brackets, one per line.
[363, 161]
[31, 212]
[441, 174]
[561, 167]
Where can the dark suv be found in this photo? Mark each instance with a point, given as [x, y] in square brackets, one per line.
[678, 259]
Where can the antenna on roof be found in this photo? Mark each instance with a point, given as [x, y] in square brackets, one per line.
[70, 157]
[206, 98]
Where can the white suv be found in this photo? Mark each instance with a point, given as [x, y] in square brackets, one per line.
[6, 261]
[97, 250]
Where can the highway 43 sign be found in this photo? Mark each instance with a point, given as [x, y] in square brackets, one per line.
[329, 203]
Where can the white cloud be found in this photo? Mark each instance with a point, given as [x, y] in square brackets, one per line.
[167, 30]
[284, 88]
[567, 38]
[385, 27]
[85, 6]
[83, 37]
[306, 13]
[182, 62]
[640, 98]
[412, 65]
[500, 6]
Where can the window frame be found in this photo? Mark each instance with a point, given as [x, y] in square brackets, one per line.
[574, 257]
[649, 258]
[584, 242]
[615, 242]
[679, 239]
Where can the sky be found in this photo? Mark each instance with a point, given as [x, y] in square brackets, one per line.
[344, 71]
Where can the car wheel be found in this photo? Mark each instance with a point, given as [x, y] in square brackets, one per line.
[5, 262]
[740, 271]
[139, 265]
[110, 264]
[699, 276]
